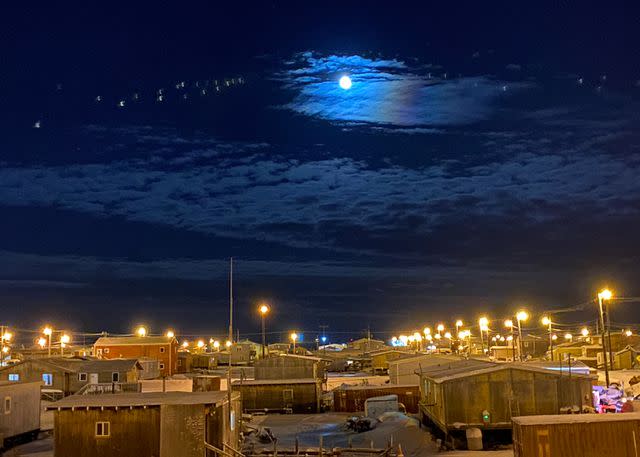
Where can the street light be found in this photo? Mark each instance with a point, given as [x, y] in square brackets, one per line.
[584, 332]
[483, 322]
[42, 342]
[200, 344]
[216, 345]
[48, 331]
[603, 295]
[440, 328]
[546, 321]
[264, 309]
[628, 333]
[64, 340]
[170, 334]
[521, 316]
[185, 344]
[427, 331]
[294, 337]
[508, 323]
[141, 331]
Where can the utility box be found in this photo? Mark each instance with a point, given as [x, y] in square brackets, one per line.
[374, 407]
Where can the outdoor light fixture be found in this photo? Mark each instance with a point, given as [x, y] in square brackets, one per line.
[568, 336]
[605, 294]
[185, 344]
[584, 332]
[42, 342]
[628, 333]
[216, 344]
[546, 321]
[440, 327]
[508, 323]
[228, 343]
[170, 334]
[200, 344]
[141, 331]
[427, 331]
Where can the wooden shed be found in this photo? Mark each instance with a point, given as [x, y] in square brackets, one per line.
[290, 366]
[476, 394]
[380, 359]
[353, 398]
[403, 371]
[577, 435]
[19, 411]
[280, 395]
[166, 424]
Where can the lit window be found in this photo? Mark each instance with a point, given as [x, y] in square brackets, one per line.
[82, 376]
[47, 378]
[103, 429]
[14, 377]
[7, 405]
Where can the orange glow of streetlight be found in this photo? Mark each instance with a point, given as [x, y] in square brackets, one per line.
[185, 344]
[568, 336]
[605, 294]
[170, 334]
[141, 331]
[427, 331]
[228, 343]
[522, 316]
[440, 327]
[508, 323]
[47, 331]
[628, 333]
[42, 342]
[200, 344]
[546, 320]
[65, 339]
[264, 309]
[584, 332]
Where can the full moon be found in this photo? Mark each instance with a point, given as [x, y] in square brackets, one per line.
[345, 82]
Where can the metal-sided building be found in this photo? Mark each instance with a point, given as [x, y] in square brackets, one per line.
[473, 394]
[352, 398]
[19, 411]
[280, 395]
[167, 424]
[164, 349]
[290, 366]
[380, 359]
[577, 435]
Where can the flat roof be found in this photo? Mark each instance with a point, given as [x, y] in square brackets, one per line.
[574, 418]
[139, 399]
[266, 382]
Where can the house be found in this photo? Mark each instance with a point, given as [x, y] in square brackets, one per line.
[403, 370]
[67, 375]
[164, 424]
[353, 398]
[290, 366]
[380, 359]
[164, 349]
[241, 353]
[366, 345]
[298, 396]
[627, 359]
[278, 348]
[478, 394]
[19, 412]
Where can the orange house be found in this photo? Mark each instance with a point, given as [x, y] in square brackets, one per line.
[164, 349]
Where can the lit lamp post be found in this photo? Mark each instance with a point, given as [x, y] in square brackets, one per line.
[509, 324]
[48, 331]
[522, 316]
[64, 340]
[447, 335]
[546, 321]
[602, 296]
[141, 331]
[483, 323]
[459, 324]
[264, 309]
[216, 345]
[170, 334]
[585, 332]
[294, 337]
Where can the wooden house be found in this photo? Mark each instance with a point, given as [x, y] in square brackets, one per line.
[166, 424]
[290, 366]
[403, 370]
[67, 375]
[380, 359]
[576, 435]
[19, 412]
[280, 395]
[164, 349]
[367, 345]
[353, 398]
[477, 394]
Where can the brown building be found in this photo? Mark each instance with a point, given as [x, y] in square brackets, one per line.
[352, 398]
[486, 396]
[166, 424]
[164, 349]
[380, 359]
[290, 366]
[67, 375]
[19, 411]
[404, 370]
[576, 435]
[366, 345]
[282, 395]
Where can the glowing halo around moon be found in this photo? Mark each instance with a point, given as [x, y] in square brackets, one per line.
[345, 82]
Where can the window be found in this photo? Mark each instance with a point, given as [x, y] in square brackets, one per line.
[14, 377]
[106, 350]
[103, 429]
[162, 366]
[82, 376]
[161, 350]
[7, 405]
[115, 377]
[47, 378]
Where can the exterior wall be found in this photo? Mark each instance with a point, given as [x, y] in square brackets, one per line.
[353, 399]
[306, 397]
[616, 438]
[283, 367]
[24, 415]
[168, 358]
[133, 432]
[182, 429]
[380, 362]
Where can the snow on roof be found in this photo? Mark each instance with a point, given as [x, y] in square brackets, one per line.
[139, 399]
[574, 418]
[132, 340]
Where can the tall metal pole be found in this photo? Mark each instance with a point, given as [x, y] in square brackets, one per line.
[550, 340]
[610, 346]
[264, 337]
[230, 302]
[603, 335]
[50, 343]
[519, 339]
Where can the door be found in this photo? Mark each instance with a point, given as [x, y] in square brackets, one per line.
[93, 378]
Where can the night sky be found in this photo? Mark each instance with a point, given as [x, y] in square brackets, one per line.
[485, 158]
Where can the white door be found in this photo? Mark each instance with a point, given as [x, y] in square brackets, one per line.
[93, 378]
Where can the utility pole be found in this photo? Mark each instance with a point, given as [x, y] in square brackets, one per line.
[231, 300]
[603, 335]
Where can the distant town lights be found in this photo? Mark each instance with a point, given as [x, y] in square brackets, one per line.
[584, 332]
[65, 339]
[200, 344]
[628, 333]
[47, 331]
[228, 343]
[522, 316]
[546, 321]
[42, 342]
[508, 323]
[440, 327]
